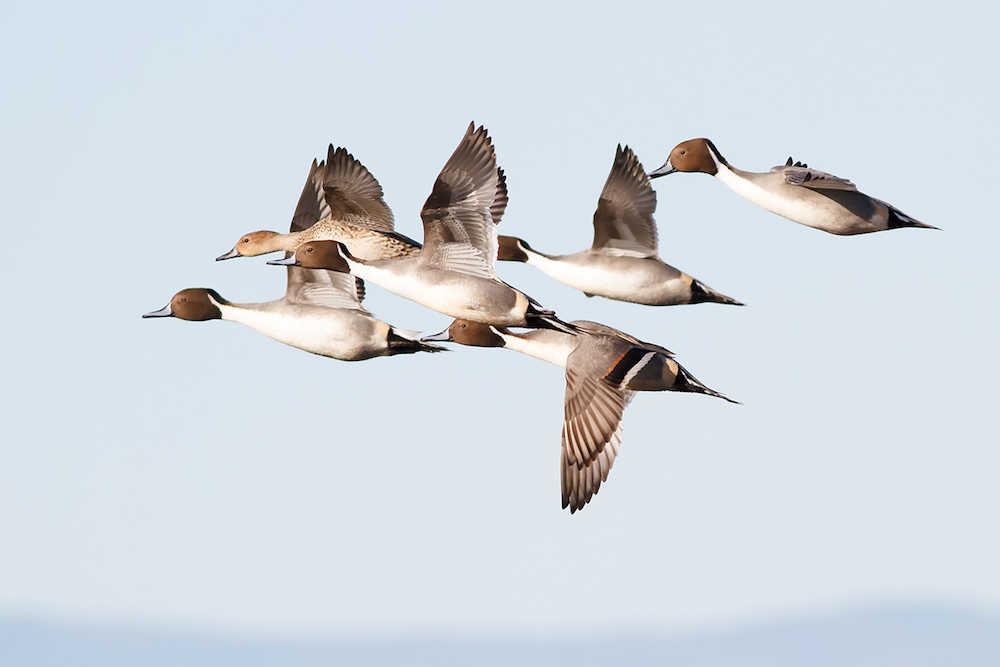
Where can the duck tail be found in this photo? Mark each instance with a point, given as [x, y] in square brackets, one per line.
[687, 382]
[546, 319]
[402, 341]
[898, 219]
[702, 293]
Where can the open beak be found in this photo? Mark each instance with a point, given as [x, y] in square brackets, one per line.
[662, 171]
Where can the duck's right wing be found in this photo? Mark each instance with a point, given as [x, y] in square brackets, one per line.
[623, 222]
[461, 214]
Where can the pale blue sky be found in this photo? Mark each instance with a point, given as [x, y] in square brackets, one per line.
[201, 475]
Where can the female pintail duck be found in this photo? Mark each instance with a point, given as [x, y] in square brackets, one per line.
[623, 263]
[455, 272]
[341, 201]
[794, 191]
[321, 313]
[604, 369]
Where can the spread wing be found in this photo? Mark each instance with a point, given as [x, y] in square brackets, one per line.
[591, 436]
[319, 287]
[352, 194]
[461, 214]
[814, 178]
[623, 222]
[312, 205]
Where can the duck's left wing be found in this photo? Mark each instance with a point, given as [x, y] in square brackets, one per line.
[623, 221]
[461, 214]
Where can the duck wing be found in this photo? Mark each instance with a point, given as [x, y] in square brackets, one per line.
[312, 205]
[815, 179]
[461, 214]
[591, 435]
[352, 194]
[319, 287]
[623, 221]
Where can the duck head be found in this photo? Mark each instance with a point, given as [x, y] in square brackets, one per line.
[692, 155]
[465, 332]
[255, 243]
[195, 304]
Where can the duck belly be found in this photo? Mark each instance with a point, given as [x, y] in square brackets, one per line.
[647, 281]
[342, 334]
[454, 294]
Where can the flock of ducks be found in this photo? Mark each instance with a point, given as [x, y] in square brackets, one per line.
[342, 235]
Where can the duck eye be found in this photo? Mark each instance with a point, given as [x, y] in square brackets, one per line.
[183, 299]
[309, 249]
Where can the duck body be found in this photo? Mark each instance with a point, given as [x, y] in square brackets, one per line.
[644, 280]
[329, 332]
[794, 191]
[623, 263]
[840, 212]
[368, 244]
[458, 295]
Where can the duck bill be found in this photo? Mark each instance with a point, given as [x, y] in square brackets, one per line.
[229, 255]
[163, 312]
[443, 337]
[288, 261]
[667, 168]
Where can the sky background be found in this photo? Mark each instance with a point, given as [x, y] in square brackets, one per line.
[200, 475]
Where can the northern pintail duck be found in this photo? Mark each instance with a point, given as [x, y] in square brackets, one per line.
[623, 263]
[794, 191]
[341, 201]
[604, 369]
[321, 313]
[455, 273]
